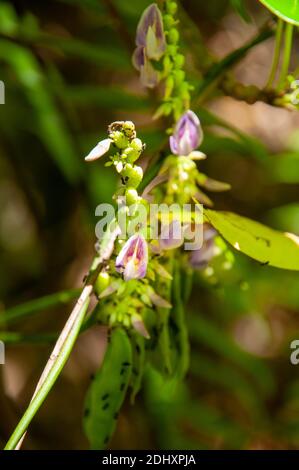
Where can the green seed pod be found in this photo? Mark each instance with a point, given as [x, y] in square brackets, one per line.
[120, 140]
[171, 8]
[173, 36]
[132, 174]
[131, 196]
[107, 391]
[102, 282]
[179, 61]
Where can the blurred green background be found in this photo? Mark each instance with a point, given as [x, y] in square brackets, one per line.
[67, 71]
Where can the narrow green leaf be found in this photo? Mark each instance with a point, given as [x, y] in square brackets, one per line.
[178, 317]
[268, 246]
[37, 305]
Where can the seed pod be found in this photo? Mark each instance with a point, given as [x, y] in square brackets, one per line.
[108, 390]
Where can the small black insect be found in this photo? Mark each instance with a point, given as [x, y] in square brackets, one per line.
[126, 364]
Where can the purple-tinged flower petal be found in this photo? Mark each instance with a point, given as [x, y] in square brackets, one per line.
[133, 258]
[201, 257]
[171, 236]
[150, 32]
[187, 134]
[173, 144]
[159, 301]
[159, 179]
[149, 77]
[139, 326]
[114, 286]
[99, 150]
[138, 57]
[197, 155]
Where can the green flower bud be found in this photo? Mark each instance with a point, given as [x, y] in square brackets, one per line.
[168, 21]
[171, 8]
[130, 154]
[167, 64]
[102, 282]
[137, 144]
[129, 129]
[133, 152]
[179, 61]
[179, 77]
[169, 85]
[133, 175]
[173, 36]
[131, 196]
[119, 139]
[172, 50]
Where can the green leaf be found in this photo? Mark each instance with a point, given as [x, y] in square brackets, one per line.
[256, 240]
[288, 10]
[107, 391]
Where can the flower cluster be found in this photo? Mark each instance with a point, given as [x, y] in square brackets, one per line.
[128, 148]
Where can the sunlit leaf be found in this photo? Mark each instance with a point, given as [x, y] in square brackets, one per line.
[288, 10]
[261, 243]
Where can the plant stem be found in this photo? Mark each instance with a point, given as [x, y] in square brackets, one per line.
[53, 368]
[278, 37]
[33, 306]
[288, 40]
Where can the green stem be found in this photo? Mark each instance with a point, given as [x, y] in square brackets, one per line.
[33, 306]
[14, 337]
[288, 40]
[278, 38]
[55, 365]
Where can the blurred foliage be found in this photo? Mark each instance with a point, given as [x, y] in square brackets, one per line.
[67, 72]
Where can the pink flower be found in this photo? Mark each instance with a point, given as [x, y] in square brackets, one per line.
[187, 134]
[151, 45]
[133, 258]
